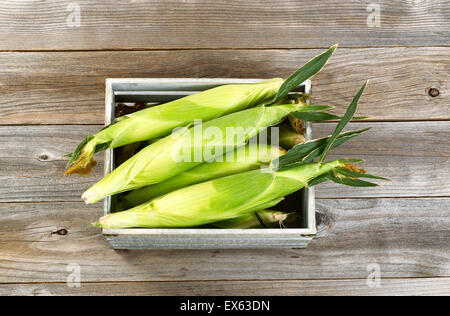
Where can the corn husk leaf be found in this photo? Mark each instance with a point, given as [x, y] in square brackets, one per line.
[306, 152]
[351, 110]
[258, 219]
[218, 199]
[310, 69]
[245, 158]
[352, 174]
[340, 179]
[156, 162]
[322, 117]
[236, 195]
[289, 139]
[353, 182]
[318, 180]
[159, 121]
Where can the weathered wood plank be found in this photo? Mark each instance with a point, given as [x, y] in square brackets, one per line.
[68, 87]
[405, 237]
[32, 167]
[389, 287]
[414, 155]
[114, 24]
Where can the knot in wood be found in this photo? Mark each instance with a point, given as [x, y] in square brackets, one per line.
[433, 92]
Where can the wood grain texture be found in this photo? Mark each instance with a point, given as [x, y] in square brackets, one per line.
[32, 163]
[44, 229]
[68, 87]
[389, 287]
[406, 237]
[150, 24]
[413, 154]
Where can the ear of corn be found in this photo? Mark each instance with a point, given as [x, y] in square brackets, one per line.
[289, 139]
[258, 219]
[222, 199]
[237, 195]
[156, 162]
[252, 157]
[218, 199]
[159, 121]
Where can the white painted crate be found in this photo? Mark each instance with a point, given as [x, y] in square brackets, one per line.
[163, 90]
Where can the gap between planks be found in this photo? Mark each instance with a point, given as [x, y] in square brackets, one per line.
[327, 122]
[228, 280]
[427, 197]
[162, 49]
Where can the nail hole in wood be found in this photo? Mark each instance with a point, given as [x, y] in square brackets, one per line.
[43, 157]
[433, 92]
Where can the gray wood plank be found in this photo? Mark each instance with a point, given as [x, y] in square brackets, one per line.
[405, 237]
[114, 24]
[391, 287]
[68, 87]
[32, 163]
[413, 154]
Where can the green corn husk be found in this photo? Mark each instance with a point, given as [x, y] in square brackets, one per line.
[254, 157]
[219, 199]
[289, 139]
[258, 219]
[156, 162]
[159, 121]
[244, 193]
[214, 170]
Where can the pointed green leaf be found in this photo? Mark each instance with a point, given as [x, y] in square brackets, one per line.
[351, 160]
[339, 141]
[354, 174]
[315, 117]
[341, 125]
[318, 180]
[74, 156]
[351, 182]
[312, 108]
[321, 116]
[306, 152]
[304, 73]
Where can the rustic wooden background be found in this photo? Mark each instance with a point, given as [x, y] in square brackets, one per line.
[52, 75]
